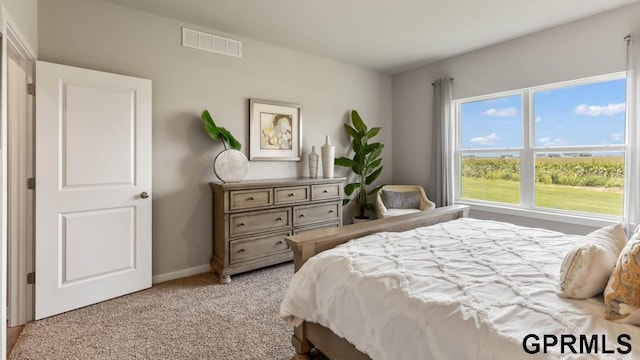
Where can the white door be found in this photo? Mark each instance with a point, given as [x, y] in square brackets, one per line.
[93, 187]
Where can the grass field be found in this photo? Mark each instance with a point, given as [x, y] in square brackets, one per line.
[585, 199]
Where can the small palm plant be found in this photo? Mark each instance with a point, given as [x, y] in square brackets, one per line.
[366, 163]
[219, 133]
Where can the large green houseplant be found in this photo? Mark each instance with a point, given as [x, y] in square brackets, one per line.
[366, 163]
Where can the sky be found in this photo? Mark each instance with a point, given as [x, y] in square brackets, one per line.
[592, 114]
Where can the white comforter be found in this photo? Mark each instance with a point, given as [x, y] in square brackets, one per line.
[465, 289]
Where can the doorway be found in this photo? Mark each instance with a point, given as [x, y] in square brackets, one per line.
[19, 196]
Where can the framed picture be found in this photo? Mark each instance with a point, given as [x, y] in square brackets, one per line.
[275, 130]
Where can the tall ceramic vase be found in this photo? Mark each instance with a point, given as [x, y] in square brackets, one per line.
[328, 158]
[313, 163]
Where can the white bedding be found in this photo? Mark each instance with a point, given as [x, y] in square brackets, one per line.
[464, 289]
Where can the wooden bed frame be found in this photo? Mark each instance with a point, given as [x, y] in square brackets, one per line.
[304, 246]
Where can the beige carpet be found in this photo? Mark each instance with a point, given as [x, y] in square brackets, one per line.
[190, 318]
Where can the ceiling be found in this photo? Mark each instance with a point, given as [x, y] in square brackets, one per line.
[385, 35]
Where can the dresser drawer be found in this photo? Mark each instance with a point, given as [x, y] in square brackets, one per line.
[248, 249]
[329, 191]
[303, 229]
[293, 194]
[246, 199]
[315, 213]
[249, 223]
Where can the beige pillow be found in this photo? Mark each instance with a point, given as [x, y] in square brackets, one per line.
[622, 295]
[586, 268]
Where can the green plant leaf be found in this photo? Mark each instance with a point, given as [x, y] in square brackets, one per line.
[349, 188]
[374, 154]
[209, 125]
[345, 201]
[373, 132]
[372, 147]
[358, 123]
[357, 146]
[226, 136]
[353, 133]
[218, 133]
[374, 164]
[357, 168]
[343, 161]
[374, 175]
[375, 190]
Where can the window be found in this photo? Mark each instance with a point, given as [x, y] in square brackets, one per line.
[559, 147]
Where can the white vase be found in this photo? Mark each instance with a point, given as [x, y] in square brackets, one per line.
[231, 166]
[313, 163]
[328, 158]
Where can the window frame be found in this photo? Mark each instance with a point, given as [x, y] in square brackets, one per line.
[528, 156]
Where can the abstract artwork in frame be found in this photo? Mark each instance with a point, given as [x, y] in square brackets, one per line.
[275, 130]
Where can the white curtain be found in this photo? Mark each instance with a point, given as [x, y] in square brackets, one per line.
[632, 160]
[442, 144]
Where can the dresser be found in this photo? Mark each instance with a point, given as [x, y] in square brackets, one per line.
[252, 218]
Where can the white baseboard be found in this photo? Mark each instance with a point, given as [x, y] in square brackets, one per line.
[179, 274]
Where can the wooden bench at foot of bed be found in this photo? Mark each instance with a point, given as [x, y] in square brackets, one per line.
[307, 244]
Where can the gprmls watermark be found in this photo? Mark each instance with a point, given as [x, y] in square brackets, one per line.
[575, 344]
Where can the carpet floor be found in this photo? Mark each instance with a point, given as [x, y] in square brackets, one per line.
[189, 318]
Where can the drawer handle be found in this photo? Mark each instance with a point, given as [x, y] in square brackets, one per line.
[302, 215]
[252, 198]
[241, 224]
[241, 250]
[331, 211]
[280, 218]
[279, 242]
[292, 195]
[325, 191]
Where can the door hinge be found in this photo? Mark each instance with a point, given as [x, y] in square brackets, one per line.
[31, 278]
[31, 89]
[31, 183]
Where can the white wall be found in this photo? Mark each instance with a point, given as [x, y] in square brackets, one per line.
[102, 36]
[25, 15]
[592, 46]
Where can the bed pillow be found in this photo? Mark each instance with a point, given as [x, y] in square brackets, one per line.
[622, 295]
[586, 268]
[401, 199]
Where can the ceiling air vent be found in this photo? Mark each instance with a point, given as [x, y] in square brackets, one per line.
[209, 42]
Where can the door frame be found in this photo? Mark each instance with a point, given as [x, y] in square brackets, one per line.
[20, 165]
[11, 37]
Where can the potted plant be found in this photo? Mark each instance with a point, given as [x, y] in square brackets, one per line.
[230, 165]
[366, 163]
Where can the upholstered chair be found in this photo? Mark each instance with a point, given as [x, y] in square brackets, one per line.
[394, 200]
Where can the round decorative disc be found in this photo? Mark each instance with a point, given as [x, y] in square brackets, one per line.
[231, 166]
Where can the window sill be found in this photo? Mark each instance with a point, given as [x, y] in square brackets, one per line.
[547, 215]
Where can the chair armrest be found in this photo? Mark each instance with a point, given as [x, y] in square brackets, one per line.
[380, 208]
[426, 204]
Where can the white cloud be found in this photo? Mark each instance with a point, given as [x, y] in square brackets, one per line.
[501, 112]
[615, 137]
[483, 140]
[595, 110]
[547, 141]
[538, 120]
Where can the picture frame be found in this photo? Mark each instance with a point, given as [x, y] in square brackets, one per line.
[275, 131]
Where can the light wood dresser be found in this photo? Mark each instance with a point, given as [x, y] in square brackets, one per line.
[252, 218]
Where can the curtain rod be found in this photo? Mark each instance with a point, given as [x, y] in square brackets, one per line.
[433, 83]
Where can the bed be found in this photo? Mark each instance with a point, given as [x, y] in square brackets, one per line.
[449, 287]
